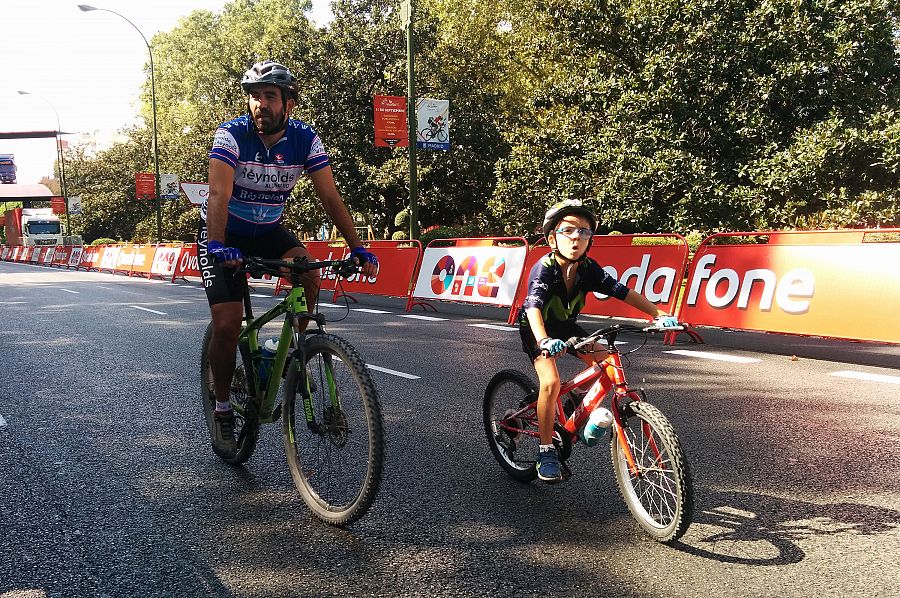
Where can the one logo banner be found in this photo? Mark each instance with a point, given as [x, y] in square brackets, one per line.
[391, 122]
[471, 274]
[433, 124]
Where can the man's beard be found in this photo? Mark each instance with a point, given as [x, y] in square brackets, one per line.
[275, 124]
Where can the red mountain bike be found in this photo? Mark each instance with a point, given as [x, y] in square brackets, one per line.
[651, 469]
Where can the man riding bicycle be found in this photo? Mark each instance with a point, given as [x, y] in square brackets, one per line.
[558, 285]
[254, 163]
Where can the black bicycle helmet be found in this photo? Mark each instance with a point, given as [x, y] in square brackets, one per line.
[270, 72]
[567, 207]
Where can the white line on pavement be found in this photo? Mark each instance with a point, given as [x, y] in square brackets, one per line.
[495, 327]
[69, 291]
[262, 296]
[713, 356]
[426, 318]
[370, 311]
[865, 376]
[162, 313]
[321, 304]
[392, 372]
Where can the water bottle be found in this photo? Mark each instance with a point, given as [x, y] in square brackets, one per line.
[267, 360]
[600, 419]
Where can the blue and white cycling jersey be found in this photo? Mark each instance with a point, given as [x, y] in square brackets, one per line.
[263, 177]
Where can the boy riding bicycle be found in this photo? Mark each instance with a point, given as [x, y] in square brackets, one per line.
[558, 285]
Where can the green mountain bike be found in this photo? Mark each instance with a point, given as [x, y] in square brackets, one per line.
[319, 387]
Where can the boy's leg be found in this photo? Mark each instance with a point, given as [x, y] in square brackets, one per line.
[548, 380]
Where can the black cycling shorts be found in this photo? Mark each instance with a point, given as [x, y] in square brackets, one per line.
[223, 284]
[562, 330]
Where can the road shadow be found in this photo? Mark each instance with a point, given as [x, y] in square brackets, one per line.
[757, 529]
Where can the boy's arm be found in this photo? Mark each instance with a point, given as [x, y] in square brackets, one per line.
[536, 321]
[640, 302]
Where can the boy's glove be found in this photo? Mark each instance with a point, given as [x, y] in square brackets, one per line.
[665, 321]
[222, 253]
[552, 346]
[363, 256]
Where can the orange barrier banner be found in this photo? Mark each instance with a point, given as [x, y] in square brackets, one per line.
[187, 264]
[843, 284]
[61, 255]
[75, 257]
[485, 270]
[4, 253]
[397, 266]
[109, 257]
[142, 260]
[652, 265]
[91, 257]
[165, 259]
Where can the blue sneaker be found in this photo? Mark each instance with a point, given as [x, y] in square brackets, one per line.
[548, 466]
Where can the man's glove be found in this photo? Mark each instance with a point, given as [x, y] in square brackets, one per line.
[552, 346]
[665, 321]
[222, 253]
[363, 256]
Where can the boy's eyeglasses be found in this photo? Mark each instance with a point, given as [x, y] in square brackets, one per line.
[574, 233]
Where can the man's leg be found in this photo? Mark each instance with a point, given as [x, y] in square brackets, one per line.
[311, 280]
[226, 320]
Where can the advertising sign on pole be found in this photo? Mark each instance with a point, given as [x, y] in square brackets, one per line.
[75, 204]
[433, 124]
[168, 184]
[195, 192]
[144, 185]
[58, 204]
[391, 129]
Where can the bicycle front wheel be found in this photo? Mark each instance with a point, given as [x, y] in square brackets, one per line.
[333, 430]
[659, 492]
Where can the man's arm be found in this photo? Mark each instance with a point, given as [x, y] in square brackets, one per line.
[221, 184]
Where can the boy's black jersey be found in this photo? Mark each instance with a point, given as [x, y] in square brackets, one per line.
[547, 290]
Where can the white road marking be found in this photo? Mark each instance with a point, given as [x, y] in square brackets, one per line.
[370, 311]
[69, 291]
[263, 296]
[713, 356]
[495, 327]
[320, 304]
[426, 318]
[393, 372]
[153, 311]
[865, 376]
[2, 421]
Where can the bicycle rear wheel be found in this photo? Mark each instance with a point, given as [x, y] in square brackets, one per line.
[246, 425]
[660, 494]
[334, 439]
[508, 393]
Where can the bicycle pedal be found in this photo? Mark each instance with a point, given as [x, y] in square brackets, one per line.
[276, 413]
[566, 472]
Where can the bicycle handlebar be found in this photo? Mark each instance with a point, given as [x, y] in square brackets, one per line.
[610, 333]
[256, 266]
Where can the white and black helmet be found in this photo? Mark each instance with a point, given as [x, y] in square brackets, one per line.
[567, 207]
[269, 72]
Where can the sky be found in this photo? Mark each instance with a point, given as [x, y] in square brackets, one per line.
[84, 67]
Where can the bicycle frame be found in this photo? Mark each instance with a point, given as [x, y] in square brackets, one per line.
[606, 375]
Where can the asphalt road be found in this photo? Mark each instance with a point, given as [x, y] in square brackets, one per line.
[108, 486]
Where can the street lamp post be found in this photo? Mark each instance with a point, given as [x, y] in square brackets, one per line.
[87, 8]
[60, 158]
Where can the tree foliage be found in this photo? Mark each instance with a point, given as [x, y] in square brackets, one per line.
[663, 115]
